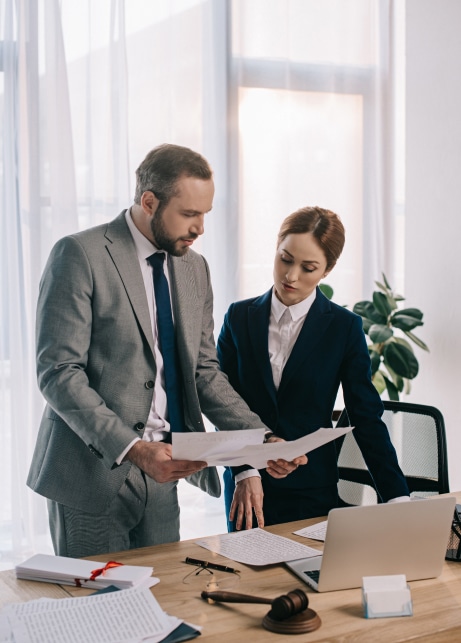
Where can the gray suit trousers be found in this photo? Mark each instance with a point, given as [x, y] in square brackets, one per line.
[143, 513]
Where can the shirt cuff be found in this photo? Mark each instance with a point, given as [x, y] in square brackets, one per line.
[399, 499]
[119, 460]
[249, 473]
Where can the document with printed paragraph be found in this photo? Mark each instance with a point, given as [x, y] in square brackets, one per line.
[126, 616]
[316, 532]
[257, 547]
[234, 448]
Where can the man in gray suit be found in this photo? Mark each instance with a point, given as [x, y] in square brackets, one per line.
[102, 456]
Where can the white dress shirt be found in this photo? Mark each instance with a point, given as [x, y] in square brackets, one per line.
[284, 327]
[157, 425]
[285, 324]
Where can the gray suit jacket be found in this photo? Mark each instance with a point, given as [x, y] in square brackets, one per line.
[96, 367]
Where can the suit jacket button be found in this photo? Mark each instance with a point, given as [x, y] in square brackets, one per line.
[149, 384]
[138, 426]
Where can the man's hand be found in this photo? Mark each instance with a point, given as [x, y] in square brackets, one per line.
[281, 468]
[154, 458]
[248, 497]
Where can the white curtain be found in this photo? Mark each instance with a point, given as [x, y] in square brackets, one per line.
[313, 85]
[288, 99]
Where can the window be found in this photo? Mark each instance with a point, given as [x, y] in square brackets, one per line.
[311, 87]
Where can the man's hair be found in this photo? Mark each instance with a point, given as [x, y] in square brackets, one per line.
[164, 166]
[325, 226]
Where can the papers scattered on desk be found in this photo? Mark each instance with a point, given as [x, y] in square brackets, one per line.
[234, 448]
[73, 571]
[128, 616]
[257, 547]
[316, 532]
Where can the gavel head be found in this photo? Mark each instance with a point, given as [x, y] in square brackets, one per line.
[288, 605]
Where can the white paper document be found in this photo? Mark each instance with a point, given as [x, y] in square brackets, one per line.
[234, 448]
[316, 532]
[257, 547]
[127, 616]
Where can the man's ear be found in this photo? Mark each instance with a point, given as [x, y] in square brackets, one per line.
[149, 202]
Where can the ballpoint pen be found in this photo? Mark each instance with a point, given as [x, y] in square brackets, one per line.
[207, 565]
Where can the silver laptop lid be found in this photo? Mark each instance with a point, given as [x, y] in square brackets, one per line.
[398, 538]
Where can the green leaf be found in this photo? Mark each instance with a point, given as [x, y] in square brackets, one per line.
[379, 333]
[405, 322]
[367, 310]
[392, 391]
[326, 290]
[417, 341]
[401, 360]
[379, 382]
[381, 303]
[392, 302]
[401, 340]
[385, 281]
[375, 358]
[398, 382]
[381, 286]
[411, 312]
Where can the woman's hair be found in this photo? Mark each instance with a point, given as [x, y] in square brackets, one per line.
[164, 166]
[325, 226]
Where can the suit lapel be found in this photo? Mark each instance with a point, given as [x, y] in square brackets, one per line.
[185, 302]
[121, 248]
[258, 330]
[315, 325]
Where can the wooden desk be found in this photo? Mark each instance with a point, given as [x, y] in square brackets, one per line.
[436, 602]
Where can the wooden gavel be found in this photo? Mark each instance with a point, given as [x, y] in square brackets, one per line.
[282, 607]
[289, 613]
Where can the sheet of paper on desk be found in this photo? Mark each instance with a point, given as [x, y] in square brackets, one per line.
[126, 616]
[231, 448]
[257, 547]
[316, 532]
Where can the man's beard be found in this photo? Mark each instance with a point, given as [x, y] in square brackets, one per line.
[162, 239]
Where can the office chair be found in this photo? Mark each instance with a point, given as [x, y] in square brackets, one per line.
[417, 432]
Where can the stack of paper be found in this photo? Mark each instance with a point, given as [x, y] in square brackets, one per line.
[83, 573]
[128, 616]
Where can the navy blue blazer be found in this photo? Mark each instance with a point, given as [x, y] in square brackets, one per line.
[331, 350]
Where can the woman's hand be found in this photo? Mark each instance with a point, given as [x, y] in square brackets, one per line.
[282, 468]
[248, 498]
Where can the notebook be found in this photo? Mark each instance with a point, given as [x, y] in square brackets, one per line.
[375, 540]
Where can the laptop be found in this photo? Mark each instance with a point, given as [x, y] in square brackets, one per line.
[408, 538]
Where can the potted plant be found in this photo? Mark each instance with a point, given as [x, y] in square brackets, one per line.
[393, 362]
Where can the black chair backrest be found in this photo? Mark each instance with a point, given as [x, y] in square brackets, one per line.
[417, 432]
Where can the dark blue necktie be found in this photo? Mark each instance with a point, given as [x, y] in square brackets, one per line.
[167, 343]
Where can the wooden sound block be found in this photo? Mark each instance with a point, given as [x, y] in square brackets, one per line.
[306, 621]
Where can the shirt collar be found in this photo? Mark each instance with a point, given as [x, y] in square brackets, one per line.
[296, 311]
[144, 248]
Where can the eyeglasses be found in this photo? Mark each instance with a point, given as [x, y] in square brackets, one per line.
[211, 576]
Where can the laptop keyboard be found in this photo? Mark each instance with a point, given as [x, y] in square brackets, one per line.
[315, 575]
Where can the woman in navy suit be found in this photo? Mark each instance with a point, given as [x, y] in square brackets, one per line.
[286, 353]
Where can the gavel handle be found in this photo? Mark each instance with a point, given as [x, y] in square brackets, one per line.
[234, 597]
